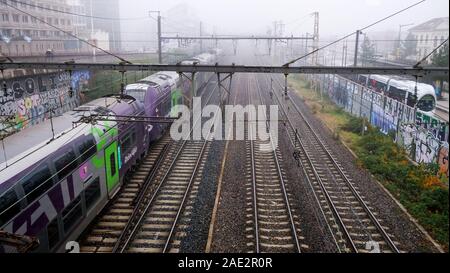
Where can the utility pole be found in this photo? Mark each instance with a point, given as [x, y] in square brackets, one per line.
[159, 40]
[306, 48]
[92, 30]
[344, 53]
[316, 37]
[281, 33]
[400, 38]
[275, 25]
[201, 41]
[159, 34]
[355, 60]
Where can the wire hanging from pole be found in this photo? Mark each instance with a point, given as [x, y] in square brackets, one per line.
[431, 53]
[351, 34]
[68, 33]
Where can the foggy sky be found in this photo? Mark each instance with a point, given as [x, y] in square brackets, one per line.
[337, 17]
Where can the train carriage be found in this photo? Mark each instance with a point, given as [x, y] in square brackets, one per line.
[402, 90]
[52, 188]
[162, 92]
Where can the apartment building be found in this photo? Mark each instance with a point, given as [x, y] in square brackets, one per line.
[429, 35]
[25, 27]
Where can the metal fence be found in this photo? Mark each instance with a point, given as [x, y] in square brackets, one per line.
[424, 137]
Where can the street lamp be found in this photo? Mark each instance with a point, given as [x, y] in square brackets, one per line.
[400, 38]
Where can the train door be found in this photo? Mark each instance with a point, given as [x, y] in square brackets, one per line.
[112, 167]
[176, 100]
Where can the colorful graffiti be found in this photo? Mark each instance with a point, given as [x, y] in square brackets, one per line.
[383, 120]
[443, 160]
[423, 136]
[30, 100]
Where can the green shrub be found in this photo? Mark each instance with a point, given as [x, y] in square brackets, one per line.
[416, 187]
[353, 125]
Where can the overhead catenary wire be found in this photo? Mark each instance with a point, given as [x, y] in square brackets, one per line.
[69, 34]
[80, 124]
[75, 126]
[351, 34]
[306, 16]
[431, 53]
[58, 171]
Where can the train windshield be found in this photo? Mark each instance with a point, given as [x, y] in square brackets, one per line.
[426, 103]
[138, 94]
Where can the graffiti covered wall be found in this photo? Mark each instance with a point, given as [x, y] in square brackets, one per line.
[28, 100]
[424, 137]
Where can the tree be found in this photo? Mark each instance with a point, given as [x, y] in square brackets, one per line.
[367, 51]
[408, 47]
[440, 59]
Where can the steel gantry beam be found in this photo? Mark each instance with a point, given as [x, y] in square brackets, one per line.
[414, 71]
[235, 38]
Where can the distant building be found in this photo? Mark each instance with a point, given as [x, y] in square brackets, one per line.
[430, 34]
[80, 23]
[105, 9]
[101, 39]
[24, 35]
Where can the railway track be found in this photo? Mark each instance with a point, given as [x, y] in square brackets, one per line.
[273, 222]
[163, 223]
[355, 226]
[152, 211]
[160, 224]
[105, 232]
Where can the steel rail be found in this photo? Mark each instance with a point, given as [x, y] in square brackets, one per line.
[282, 182]
[333, 208]
[121, 247]
[316, 175]
[255, 198]
[349, 184]
[141, 194]
[140, 197]
[345, 178]
[191, 180]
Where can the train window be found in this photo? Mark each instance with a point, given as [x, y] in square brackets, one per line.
[37, 183]
[92, 193]
[112, 160]
[66, 164]
[397, 94]
[71, 214]
[139, 95]
[362, 80]
[9, 207]
[426, 103]
[380, 87]
[53, 233]
[129, 141]
[87, 149]
[168, 104]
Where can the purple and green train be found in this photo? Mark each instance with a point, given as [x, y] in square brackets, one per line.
[58, 176]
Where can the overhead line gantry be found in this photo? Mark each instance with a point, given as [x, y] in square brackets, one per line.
[217, 68]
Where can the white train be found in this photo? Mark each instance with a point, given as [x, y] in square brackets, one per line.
[402, 90]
